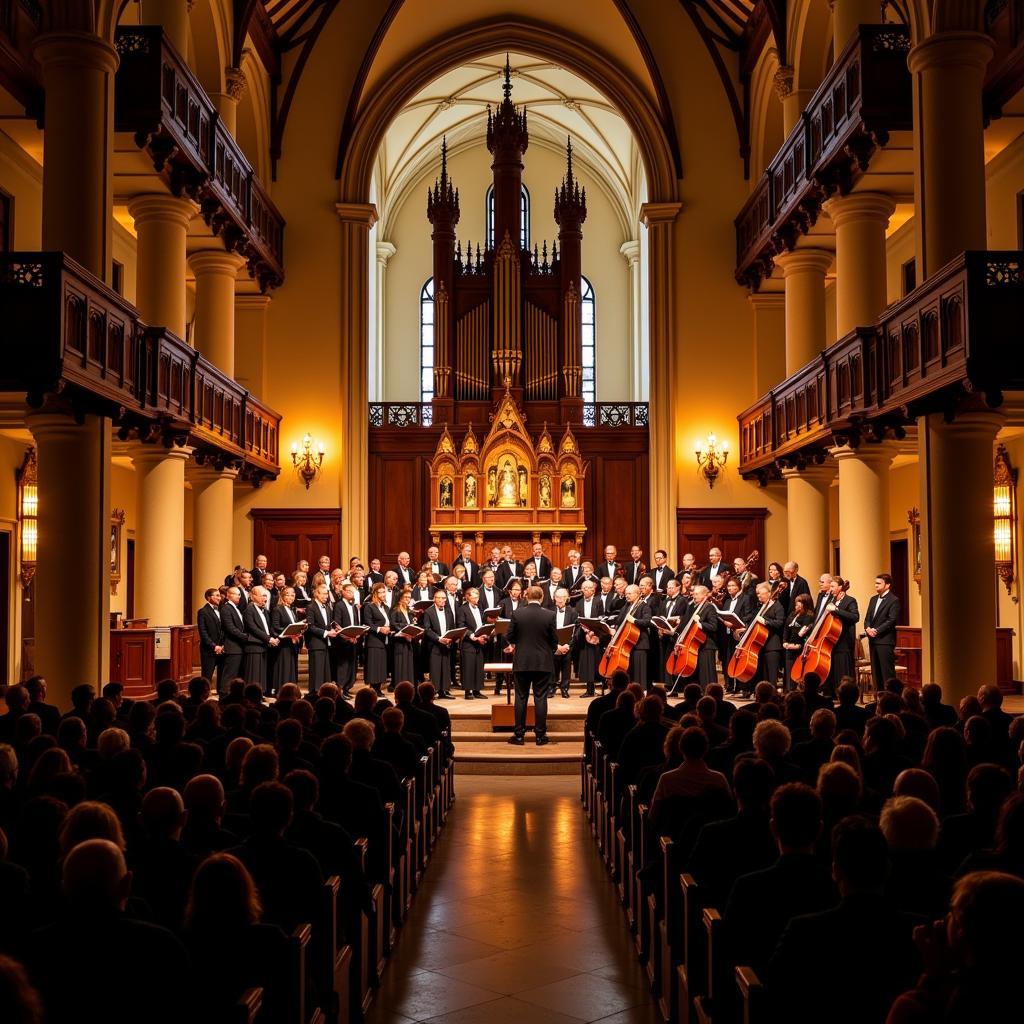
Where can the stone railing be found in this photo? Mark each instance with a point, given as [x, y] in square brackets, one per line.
[421, 414]
[961, 331]
[160, 101]
[865, 96]
[69, 338]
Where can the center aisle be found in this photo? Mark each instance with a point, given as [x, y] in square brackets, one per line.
[516, 919]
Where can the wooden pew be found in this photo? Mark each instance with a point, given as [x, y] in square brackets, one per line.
[716, 1004]
[612, 796]
[692, 971]
[331, 959]
[360, 932]
[299, 1008]
[406, 869]
[754, 996]
[385, 920]
[641, 907]
[670, 930]
[247, 1009]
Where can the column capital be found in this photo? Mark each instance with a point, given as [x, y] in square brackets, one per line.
[952, 49]
[858, 206]
[360, 214]
[385, 250]
[875, 454]
[767, 300]
[783, 81]
[202, 476]
[215, 261]
[161, 207]
[631, 251]
[820, 475]
[75, 49]
[151, 455]
[247, 300]
[805, 261]
[52, 425]
[658, 214]
[234, 83]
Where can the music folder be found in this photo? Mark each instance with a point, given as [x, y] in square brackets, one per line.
[501, 627]
[455, 634]
[511, 580]
[566, 632]
[421, 606]
[354, 632]
[669, 623]
[598, 626]
[491, 614]
[731, 621]
[411, 632]
[485, 630]
[293, 629]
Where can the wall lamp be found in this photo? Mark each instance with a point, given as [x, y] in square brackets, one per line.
[711, 457]
[306, 460]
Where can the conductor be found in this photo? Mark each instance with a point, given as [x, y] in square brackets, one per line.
[534, 641]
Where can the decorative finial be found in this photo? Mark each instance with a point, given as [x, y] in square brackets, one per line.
[444, 160]
[507, 86]
[568, 159]
[508, 384]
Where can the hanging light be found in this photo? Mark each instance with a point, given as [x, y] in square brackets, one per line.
[1004, 514]
[28, 515]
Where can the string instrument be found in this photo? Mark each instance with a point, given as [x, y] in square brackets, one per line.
[683, 659]
[620, 647]
[816, 656]
[743, 663]
[752, 559]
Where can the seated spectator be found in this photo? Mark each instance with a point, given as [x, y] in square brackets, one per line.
[261, 764]
[991, 699]
[102, 715]
[19, 1001]
[945, 759]
[198, 695]
[813, 696]
[849, 714]
[762, 902]
[772, 744]
[17, 699]
[72, 738]
[615, 724]
[141, 727]
[841, 792]
[642, 745]
[815, 751]
[883, 758]
[970, 959]
[205, 726]
[916, 884]
[420, 720]
[35, 845]
[391, 746]
[231, 950]
[10, 798]
[26, 730]
[740, 741]
[427, 696]
[724, 709]
[691, 783]
[599, 705]
[935, 712]
[1007, 853]
[369, 770]
[813, 964]
[162, 866]
[234, 759]
[795, 717]
[90, 820]
[735, 846]
[49, 714]
[287, 876]
[70, 960]
[917, 782]
[324, 724]
[15, 915]
[114, 692]
[707, 712]
[293, 752]
[365, 706]
[50, 776]
[82, 697]
[204, 831]
[966, 710]
[172, 761]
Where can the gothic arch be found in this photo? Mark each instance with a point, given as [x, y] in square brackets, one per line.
[766, 129]
[357, 152]
[810, 41]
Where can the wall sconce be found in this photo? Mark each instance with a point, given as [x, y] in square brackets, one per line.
[306, 461]
[711, 457]
[28, 515]
[1004, 511]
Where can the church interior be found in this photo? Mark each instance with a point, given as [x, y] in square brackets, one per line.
[645, 312]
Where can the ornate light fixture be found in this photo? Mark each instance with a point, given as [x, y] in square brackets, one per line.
[306, 461]
[28, 515]
[711, 457]
[1004, 511]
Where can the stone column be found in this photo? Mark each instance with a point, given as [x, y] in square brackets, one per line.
[860, 220]
[804, 271]
[807, 518]
[213, 515]
[385, 250]
[847, 15]
[172, 15]
[73, 567]
[631, 253]
[864, 515]
[227, 102]
[160, 537]
[660, 219]
[949, 146]
[161, 222]
[250, 341]
[213, 332]
[78, 81]
[356, 221]
[769, 339]
[793, 100]
[958, 585]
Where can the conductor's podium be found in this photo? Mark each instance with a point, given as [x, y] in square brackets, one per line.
[503, 716]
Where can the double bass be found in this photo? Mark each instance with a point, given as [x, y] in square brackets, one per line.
[816, 656]
[682, 662]
[620, 647]
[743, 663]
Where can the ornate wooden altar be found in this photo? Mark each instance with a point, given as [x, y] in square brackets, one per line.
[508, 489]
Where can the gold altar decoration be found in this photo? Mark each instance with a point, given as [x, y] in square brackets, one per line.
[507, 484]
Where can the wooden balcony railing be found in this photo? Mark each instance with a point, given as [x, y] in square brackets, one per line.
[865, 96]
[159, 100]
[962, 330]
[67, 334]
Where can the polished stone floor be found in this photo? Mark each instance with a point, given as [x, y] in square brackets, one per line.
[516, 920]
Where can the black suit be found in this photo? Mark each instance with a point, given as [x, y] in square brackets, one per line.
[661, 576]
[770, 661]
[233, 621]
[883, 615]
[286, 657]
[609, 569]
[638, 659]
[705, 577]
[436, 622]
[473, 570]
[318, 645]
[533, 635]
[474, 653]
[211, 635]
[844, 652]
[438, 568]
[257, 645]
[346, 652]
[571, 577]
[563, 662]
[543, 568]
[633, 571]
[505, 572]
[405, 575]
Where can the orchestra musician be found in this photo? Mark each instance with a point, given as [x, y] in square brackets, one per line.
[674, 606]
[880, 626]
[797, 584]
[714, 567]
[742, 604]
[662, 571]
[286, 658]
[706, 670]
[617, 600]
[588, 643]
[321, 635]
[689, 564]
[655, 670]
[799, 623]
[609, 567]
[845, 609]
[404, 669]
[775, 575]
[346, 652]
[824, 595]
[473, 647]
[633, 605]
[635, 567]
[773, 618]
[741, 572]
[565, 615]
[438, 620]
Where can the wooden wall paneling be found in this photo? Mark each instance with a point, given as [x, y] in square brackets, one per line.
[737, 531]
[286, 535]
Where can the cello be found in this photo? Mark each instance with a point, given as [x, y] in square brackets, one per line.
[682, 662]
[816, 656]
[620, 647]
[743, 663]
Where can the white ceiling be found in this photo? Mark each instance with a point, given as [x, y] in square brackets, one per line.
[558, 102]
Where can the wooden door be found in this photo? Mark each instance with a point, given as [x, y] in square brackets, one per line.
[737, 531]
[286, 535]
[899, 559]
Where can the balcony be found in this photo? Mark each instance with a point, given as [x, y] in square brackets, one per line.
[421, 414]
[864, 98]
[959, 332]
[161, 103]
[67, 335]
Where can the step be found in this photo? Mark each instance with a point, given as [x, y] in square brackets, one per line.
[482, 723]
[500, 758]
[491, 737]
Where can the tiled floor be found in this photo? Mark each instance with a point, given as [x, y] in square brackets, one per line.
[516, 920]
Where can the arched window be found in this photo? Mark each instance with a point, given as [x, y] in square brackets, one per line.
[524, 217]
[589, 338]
[427, 341]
